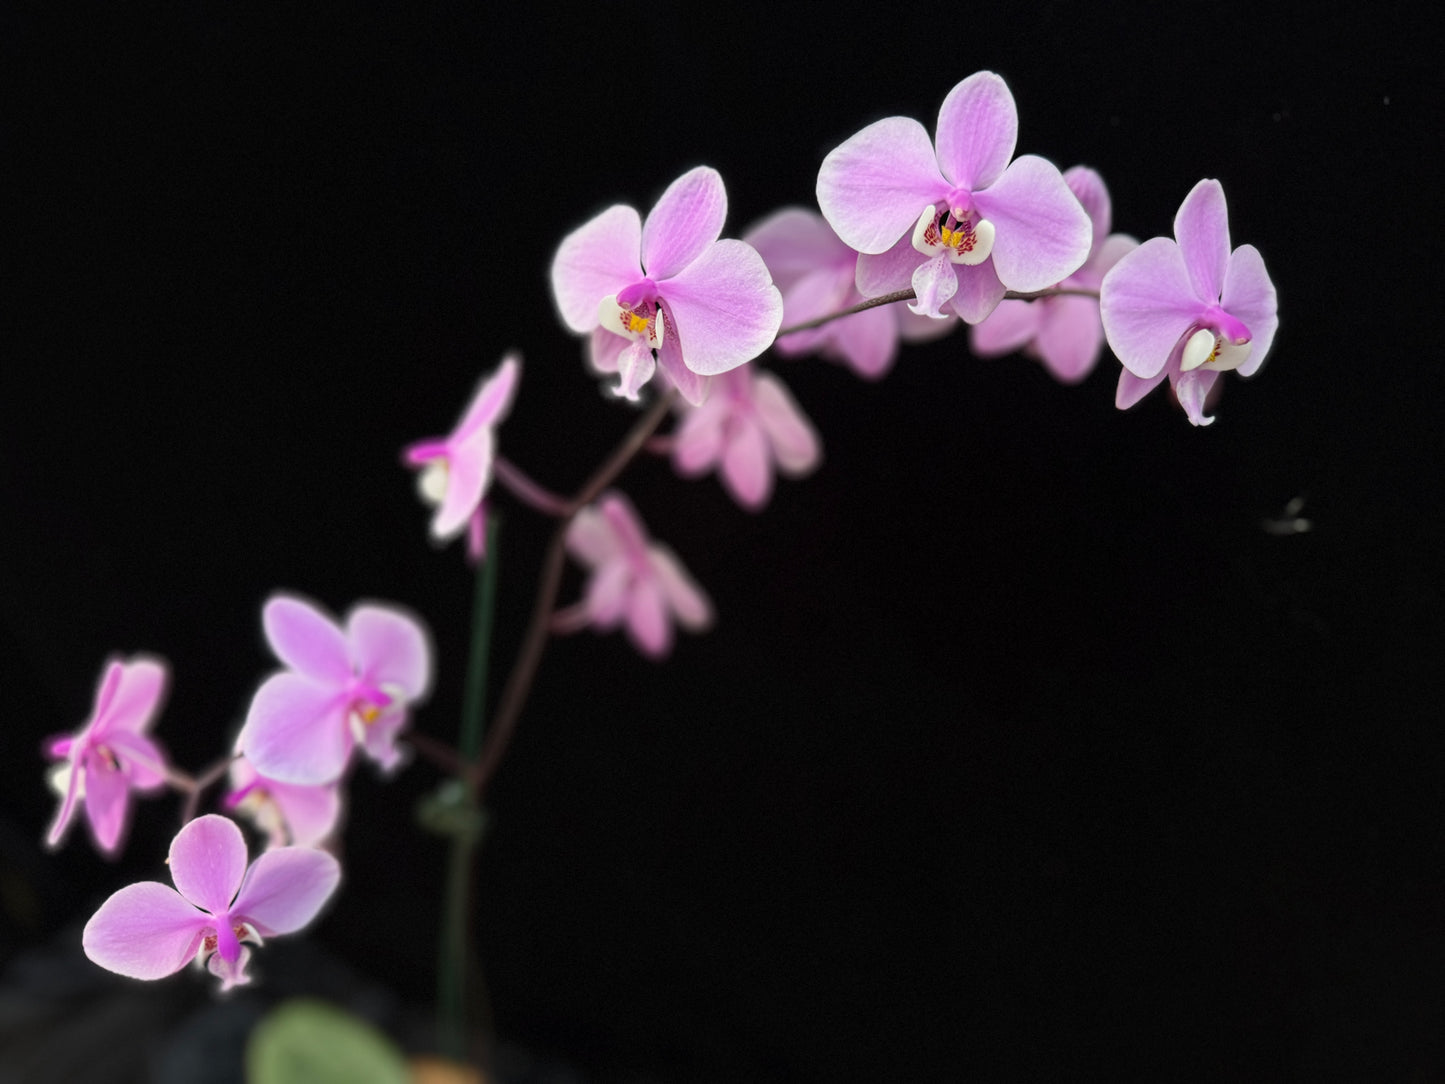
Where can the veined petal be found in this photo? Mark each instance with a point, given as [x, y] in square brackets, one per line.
[795, 242]
[107, 800]
[144, 931]
[686, 599]
[1250, 296]
[296, 730]
[1008, 328]
[492, 400]
[979, 291]
[746, 469]
[872, 187]
[723, 308]
[136, 696]
[305, 639]
[1147, 303]
[1202, 229]
[208, 861]
[794, 441]
[1043, 233]
[1133, 388]
[692, 386]
[1069, 337]
[887, 272]
[978, 126]
[285, 888]
[648, 626]
[1088, 187]
[596, 260]
[687, 219]
[934, 284]
[390, 648]
[635, 367]
[1192, 390]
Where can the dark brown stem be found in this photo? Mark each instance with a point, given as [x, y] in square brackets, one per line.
[909, 295]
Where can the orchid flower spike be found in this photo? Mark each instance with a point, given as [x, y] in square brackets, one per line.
[150, 930]
[634, 581]
[456, 470]
[343, 687]
[748, 425]
[953, 216]
[817, 275]
[1063, 332]
[111, 755]
[1188, 308]
[667, 291]
[289, 813]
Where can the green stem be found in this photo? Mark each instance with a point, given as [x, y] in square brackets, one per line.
[483, 605]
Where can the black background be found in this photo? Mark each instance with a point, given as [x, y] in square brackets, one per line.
[1019, 748]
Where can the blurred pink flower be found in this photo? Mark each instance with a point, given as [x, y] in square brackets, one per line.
[111, 755]
[289, 813]
[149, 930]
[634, 581]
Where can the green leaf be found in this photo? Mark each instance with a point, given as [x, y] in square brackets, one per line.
[305, 1041]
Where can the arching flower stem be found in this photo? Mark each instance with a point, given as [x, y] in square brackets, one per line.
[909, 295]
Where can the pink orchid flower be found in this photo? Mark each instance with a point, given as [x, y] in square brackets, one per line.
[1189, 308]
[111, 755]
[1065, 332]
[953, 217]
[667, 292]
[816, 274]
[456, 470]
[288, 813]
[634, 581]
[149, 930]
[748, 425]
[343, 688]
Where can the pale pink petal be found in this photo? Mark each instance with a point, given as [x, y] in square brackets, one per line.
[934, 284]
[919, 329]
[1088, 187]
[626, 524]
[1070, 337]
[746, 470]
[978, 126]
[607, 592]
[208, 861]
[1249, 295]
[1133, 388]
[1115, 247]
[1192, 390]
[596, 260]
[647, 623]
[1006, 329]
[590, 538]
[1202, 229]
[823, 292]
[469, 472]
[107, 801]
[890, 271]
[1146, 303]
[724, 306]
[296, 730]
[868, 340]
[110, 679]
[63, 815]
[684, 597]
[687, 219]
[635, 367]
[141, 759]
[794, 441]
[492, 400]
[305, 639]
[1043, 234]
[144, 931]
[795, 242]
[136, 697]
[697, 444]
[311, 813]
[285, 888]
[232, 973]
[979, 291]
[873, 187]
[379, 738]
[390, 648]
[692, 386]
[604, 349]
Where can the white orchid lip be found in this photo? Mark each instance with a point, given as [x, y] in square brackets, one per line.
[431, 483]
[954, 233]
[643, 324]
[1207, 349]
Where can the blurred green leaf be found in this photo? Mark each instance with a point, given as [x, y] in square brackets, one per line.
[304, 1041]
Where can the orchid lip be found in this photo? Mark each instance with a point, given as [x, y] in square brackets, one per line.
[955, 233]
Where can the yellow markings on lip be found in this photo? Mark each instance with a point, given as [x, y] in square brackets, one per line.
[636, 324]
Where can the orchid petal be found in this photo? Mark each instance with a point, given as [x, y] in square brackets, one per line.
[872, 187]
[1008, 328]
[1192, 391]
[590, 538]
[934, 284]
[74, 776]
[144, 931]
[1201, 227]
[795, 242]
[890, 271]
[1043, 233]
[305, 639]
[607, 592]
[723, 308]
[868, 340]
[311, 813]
[208, 861]
[107, 801]
[379, 738]
[468, 474]
[794, 441]
[1249, 295]
[285, 888]
[979, 291]
[1146, 304]
[492, 400]
[296, 730]
[697, 444]
[135, 698]
[978, 126]
[390, 648]
[1088, 187]
[687, 219]
[141, 759]
[626, 524]
[692, 386]
[647, 623]
[1133, 388]
[685, 598]
[596, 260]
[635, 367]
[1070, 336]
[746, 469]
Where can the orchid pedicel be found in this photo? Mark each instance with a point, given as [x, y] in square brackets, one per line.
[912, 231]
